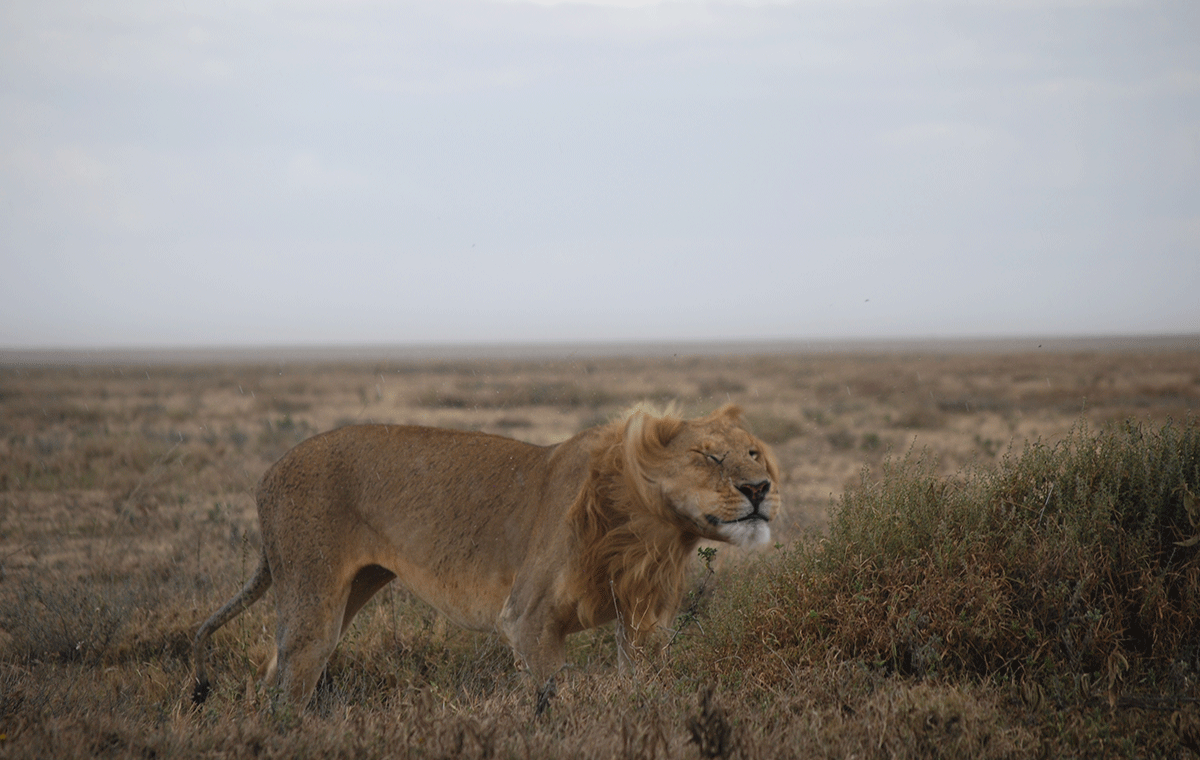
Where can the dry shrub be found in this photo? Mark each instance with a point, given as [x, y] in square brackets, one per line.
[922, 415]
[280, 435]
[65, 622]
[1068, 565]
[774, 429]
[902, 720]
[507, 395]
[58, 459]
[100, 618]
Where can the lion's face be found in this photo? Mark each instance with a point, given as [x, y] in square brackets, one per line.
[722, 479]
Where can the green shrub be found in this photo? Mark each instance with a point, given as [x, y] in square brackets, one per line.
[1072, 566]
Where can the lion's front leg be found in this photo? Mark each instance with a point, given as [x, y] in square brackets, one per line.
[545, 693]
[542, 649]
[539, 644]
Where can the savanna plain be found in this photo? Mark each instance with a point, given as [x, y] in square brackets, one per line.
[984, 552]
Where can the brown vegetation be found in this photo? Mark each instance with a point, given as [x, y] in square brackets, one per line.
[126, 517]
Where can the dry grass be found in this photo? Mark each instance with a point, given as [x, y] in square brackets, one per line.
[126, 517]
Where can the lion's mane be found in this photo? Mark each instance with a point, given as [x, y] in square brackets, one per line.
[634, 547]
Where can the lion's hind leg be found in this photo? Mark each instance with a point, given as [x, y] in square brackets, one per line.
[364, 586]
[305, 637]
[312, 621]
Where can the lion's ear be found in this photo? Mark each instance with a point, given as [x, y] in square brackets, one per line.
[644, 448]
[731, 412]
[647, 433]
[664, 429]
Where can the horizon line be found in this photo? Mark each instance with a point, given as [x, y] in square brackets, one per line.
[423, 352]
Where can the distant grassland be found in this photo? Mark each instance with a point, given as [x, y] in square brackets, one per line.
[983, 556]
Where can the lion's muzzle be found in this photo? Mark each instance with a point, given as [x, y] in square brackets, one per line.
[755, 492]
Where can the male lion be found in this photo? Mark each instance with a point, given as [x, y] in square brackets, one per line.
[533, 542]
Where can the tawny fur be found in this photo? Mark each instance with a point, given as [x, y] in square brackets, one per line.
[531, 542]
[634, 550]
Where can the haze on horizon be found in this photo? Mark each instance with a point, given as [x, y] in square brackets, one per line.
[368, 172]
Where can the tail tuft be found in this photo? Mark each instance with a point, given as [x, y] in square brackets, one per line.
[200, 692]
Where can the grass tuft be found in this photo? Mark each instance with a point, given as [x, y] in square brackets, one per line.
[1072, 566]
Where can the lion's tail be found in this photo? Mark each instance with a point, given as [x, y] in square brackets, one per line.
[250, 593]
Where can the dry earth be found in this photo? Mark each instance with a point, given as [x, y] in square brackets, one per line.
[143, 469]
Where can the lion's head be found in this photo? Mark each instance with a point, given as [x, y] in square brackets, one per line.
[711, 471]
[659, 485]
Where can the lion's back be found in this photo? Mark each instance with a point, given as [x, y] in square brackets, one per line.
[426, 489]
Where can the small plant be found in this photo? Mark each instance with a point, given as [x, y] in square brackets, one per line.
[841, 439]
[691, 608]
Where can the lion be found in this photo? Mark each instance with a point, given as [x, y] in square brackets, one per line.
[531, 542]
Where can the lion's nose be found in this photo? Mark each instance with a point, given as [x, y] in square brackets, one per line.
[755, 492]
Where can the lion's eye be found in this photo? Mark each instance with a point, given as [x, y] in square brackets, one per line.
[754, 454]
[714, 459]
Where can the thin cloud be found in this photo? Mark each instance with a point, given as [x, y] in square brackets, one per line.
[476, 170]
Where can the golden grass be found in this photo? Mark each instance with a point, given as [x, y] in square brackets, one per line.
[126, 517]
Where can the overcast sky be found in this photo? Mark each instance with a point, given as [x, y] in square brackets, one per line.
[320, 172]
